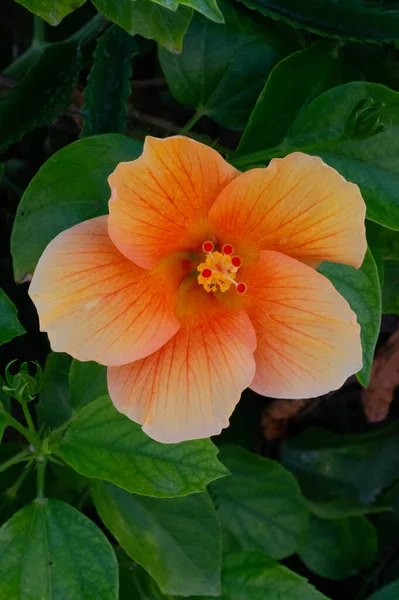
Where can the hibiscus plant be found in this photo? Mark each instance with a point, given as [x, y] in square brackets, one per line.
[199, 290]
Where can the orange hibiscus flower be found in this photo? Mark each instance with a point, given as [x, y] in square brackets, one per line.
[202, 282]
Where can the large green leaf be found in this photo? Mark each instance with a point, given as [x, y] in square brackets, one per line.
[87, 382]
[209, 8]
[149, 19]
[255, 576]
[292, 84]
[383, 241]
[223, 68]
[48, 85]
[359, 19]
[108, 85]
[70, 187]
[361, 288]
[338, 548]
[357, 467]
[103, 443]
[134, 582]
[52, 11]
[355, 129]
[50, 551]
[54, 406]
[10, 327]
[177, 540]
[260, 505]
[388, 592]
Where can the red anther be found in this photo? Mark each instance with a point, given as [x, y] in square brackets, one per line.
[207, 246]
[241, 288]
[206, 273]
[228, 249]
[236, 261]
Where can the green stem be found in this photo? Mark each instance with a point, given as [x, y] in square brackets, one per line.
[260, 156]
[20, 457]
[28, 417]
[31, 436]
[82, 37]
[89, 31]
[38, 31]
[190, 124]
[41, 462]
[20, 65]
[12, 491]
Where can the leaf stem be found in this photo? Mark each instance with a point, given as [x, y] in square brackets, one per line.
[260, 156]
[82, 37]
[12, 491]
[90, 30]
[14, 460]
[28, 417]
[190, 124]
[41, 462]
[31, 436]
[21, 64]
[38, 31]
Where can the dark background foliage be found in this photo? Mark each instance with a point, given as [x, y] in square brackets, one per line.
[313, 491]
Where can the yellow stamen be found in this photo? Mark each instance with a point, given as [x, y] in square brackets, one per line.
[223, 272]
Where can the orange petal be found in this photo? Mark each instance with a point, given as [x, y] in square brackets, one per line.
[160, 201]
[95, 304]
[308, 337]
[297, 205]
[188, 389]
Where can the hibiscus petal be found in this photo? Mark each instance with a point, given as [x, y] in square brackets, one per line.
[188, 389]
[308, 337]
[160, 201]
[95, 304]
[297, 205]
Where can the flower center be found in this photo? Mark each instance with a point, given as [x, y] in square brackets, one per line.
[218, 271]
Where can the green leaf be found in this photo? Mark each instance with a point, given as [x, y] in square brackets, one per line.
[339, 548]
[10, 327]
[356, 466]
[103, 443]
[223, 68]
[388, 592]
[134, 582]
[177, 540]
[70, 187]
[149, 19]
[337, 127]
[54, 406]
[383, 241]
[260, 505]
[291, 86]
[48, 84]
[87, 382]
[390, 287]
[354, 128]
[361, 288]
[52, 11]
[49, 551]
[108, 85]
[208, 8]
[255, 576]
[353, 19]
[2, 171]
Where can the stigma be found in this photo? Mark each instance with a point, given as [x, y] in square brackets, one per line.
[219, 269]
